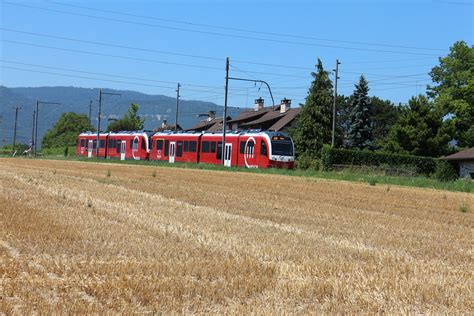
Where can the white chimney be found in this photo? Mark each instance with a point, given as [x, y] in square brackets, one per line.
[211, 115]
[163, 124]
[259, 103]
[285, 105]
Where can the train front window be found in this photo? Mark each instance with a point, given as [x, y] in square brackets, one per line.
[282, 148]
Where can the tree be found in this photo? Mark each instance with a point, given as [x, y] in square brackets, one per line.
[420, 130]
[66, 129]
[361, 123]
[454, 92]
[315, 119]
[386, 114]
[130, 122]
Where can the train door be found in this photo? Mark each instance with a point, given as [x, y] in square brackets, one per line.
[172, 152]
[123, 147]
[90, 147]
[228, 155]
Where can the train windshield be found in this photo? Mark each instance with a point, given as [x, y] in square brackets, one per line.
[282, 147]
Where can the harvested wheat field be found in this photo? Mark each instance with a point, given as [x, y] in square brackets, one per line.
[82, 237]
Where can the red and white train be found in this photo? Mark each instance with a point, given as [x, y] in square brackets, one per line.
[253, 149]
[121, 145]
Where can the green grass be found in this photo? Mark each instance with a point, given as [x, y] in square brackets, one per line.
[460, 185]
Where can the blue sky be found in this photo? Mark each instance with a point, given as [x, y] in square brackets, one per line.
[394, 43]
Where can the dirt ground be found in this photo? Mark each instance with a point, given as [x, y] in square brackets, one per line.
[84, 237]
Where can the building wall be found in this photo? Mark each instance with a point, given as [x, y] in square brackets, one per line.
[466, 169]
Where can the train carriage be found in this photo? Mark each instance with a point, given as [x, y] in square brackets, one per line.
[243, 149]
[121, 145]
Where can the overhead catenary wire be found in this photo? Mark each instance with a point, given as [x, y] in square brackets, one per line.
[261, 39]
[244, 30]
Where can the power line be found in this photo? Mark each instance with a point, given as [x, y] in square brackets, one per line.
[260, 39]
[246, 30]
[77, 40]
[110, 55]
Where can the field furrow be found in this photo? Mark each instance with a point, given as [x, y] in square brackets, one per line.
[92, 237]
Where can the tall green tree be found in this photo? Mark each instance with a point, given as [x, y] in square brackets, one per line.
[385, 115]
[66, 129]
[420, 131]
[315, 119]
[361, 118]
[454, 92]
[130, 122]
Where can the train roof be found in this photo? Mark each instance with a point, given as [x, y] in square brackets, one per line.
[120, 133]
[251, 132]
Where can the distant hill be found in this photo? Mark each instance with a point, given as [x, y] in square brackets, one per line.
[154, 108]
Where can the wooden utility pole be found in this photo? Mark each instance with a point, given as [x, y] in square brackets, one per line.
[334, 104]
[90, 113]
[38, 102]
[224, 118]
[177, 107]
[14, 130]
[99, 113]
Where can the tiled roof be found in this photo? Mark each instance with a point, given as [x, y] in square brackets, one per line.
[205, 124]
[467, 154]
[282, 119]
[289, 116]
[252, 114]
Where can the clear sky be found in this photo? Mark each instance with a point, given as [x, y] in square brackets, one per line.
[152, 45]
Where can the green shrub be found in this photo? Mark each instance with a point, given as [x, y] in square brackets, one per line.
[305, 162]
[445, 171]
[335, 156]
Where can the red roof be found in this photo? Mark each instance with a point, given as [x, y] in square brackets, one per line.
[467, 154]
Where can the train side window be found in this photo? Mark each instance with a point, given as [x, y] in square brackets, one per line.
[242, 147]
[159, 144]
[205, 147]
[192, 146]
[82, 143]
[132, 143]
[143, 144]
[179, 149]
[263, 148]
[167, 147]
[213, 147]
[101, 143]
[186, 146]
[219, 151]
[117, 145]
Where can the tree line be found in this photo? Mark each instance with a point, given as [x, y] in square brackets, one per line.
[433, 124]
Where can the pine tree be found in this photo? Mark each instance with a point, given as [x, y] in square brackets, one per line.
[315, 120]
[361, 117]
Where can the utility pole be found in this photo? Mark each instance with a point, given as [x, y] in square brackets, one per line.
[177, 106]
[224, 118]
[90, 113]
[98, 118]
[14, 130]
[38, 102]
[32, 132]
[334, 104]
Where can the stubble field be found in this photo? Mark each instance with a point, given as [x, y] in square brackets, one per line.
[87, 237]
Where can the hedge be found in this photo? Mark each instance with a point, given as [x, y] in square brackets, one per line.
[335, 156]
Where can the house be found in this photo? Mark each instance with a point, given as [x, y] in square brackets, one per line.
[464, 160]
[210, 124]
[279, 118]
[166, 127]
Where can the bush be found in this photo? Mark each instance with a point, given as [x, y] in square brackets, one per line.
[335, 156]
[307, 162]
[445, 172]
